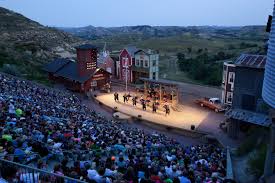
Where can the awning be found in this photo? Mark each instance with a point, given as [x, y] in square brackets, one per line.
[249, 116]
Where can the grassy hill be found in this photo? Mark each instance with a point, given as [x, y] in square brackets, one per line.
[25, 45]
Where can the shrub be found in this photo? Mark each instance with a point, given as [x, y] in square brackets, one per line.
[257, 161]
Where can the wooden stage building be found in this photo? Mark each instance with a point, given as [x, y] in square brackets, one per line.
[81, 76]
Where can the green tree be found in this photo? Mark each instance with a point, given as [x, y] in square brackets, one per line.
[200, 50]
[183, 63]
[189, 50]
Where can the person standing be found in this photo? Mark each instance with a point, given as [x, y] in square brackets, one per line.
[127, 97]
[144, 105]
[134, 99]
[154, 107]
[124, 98]
[167, 110]
[115, 96]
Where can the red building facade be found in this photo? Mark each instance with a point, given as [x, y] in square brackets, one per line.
[86, 59]
[126, 62]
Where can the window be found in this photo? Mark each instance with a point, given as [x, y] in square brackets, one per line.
[141, 63]
[109, 69]
[125, 61]
[93, 83]
[154, 75]
[229, 97]
[146, 63]
[231, 77]
[137, 62]
[154, 63]
[90, 65]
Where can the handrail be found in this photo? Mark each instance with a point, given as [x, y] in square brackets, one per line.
[40, 171]
[229, 167]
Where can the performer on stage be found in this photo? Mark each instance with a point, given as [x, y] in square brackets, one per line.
[125, 98]
[167, 110]
[128, 96]
[116, 96]
[134, 99]
[144, 105]
[154, 107]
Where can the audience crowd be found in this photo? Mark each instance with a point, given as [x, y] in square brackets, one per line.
[52, 130]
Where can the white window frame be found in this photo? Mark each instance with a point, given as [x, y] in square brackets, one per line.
[231, 75]
[137, 62]
[146, 61]
[227, 97]
[154, 62]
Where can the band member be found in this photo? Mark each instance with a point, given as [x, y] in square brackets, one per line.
[144, 105]
[116, 96]
[134, 99]
[128, 96]
[167, 110]
[125, 98]
[154, 107]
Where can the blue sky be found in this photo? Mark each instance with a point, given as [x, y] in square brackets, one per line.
[75, 13]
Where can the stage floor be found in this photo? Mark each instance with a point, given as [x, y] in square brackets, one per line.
[203, 119]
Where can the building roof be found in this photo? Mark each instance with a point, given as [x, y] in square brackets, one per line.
[102, 58]
[131, 50]
[86, 47]
[252, 61]
[68, 69]
[56, 65]
[147, 52]
[249, 116]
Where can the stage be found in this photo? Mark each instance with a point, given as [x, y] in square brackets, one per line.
[203, 119]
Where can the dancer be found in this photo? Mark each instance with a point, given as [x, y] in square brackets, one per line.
[124, 98]
[116, 96]
[167, 110]
[134, 99]
[154, 107]
[144, 105]
[128, 96]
